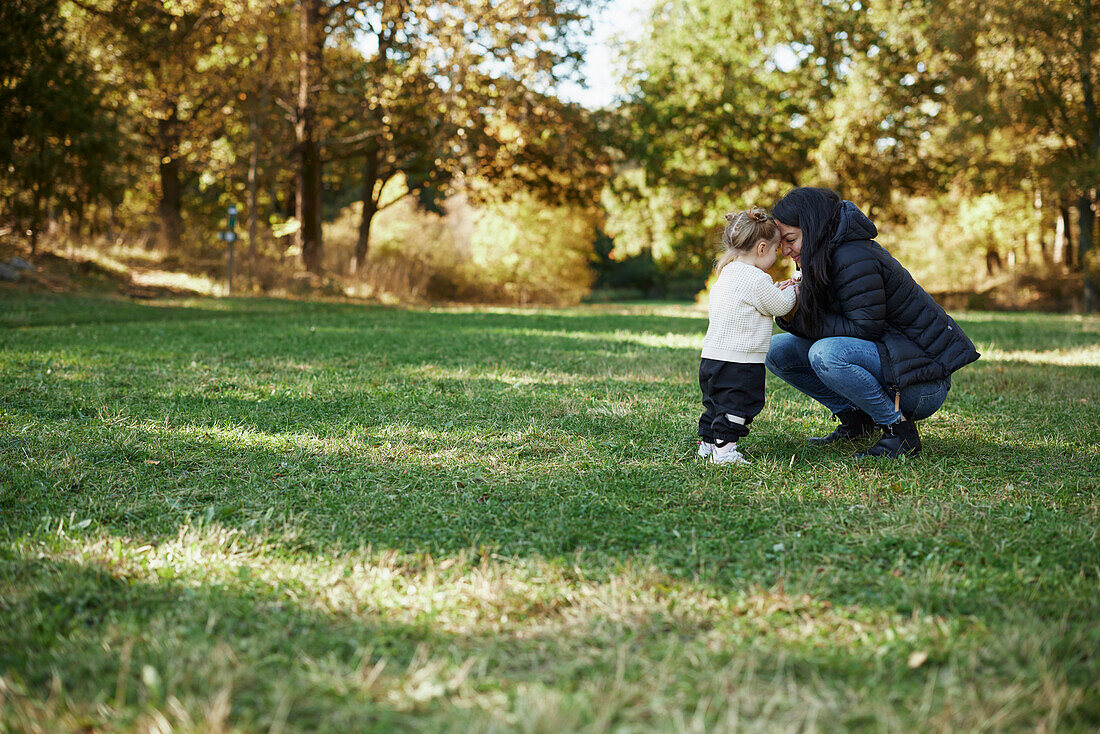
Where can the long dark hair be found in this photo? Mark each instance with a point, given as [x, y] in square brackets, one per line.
[817, 213]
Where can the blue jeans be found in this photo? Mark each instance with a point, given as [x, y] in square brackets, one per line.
[843, 373]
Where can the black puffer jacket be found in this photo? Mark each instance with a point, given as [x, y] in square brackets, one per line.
[875, 298]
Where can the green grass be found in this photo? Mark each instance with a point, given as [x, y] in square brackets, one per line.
[258, 515]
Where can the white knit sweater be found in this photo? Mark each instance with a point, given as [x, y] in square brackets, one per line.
[743, 302]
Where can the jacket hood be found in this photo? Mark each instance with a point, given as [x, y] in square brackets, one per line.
[854, 225]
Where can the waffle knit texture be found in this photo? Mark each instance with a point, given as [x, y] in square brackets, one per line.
[743, 302]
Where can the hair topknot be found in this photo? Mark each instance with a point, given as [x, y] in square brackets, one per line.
[743, 230]
[756, 214]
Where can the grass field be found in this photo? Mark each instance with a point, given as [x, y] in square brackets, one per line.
[259, 515]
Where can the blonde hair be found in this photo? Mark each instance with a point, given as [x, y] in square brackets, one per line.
[743, 230]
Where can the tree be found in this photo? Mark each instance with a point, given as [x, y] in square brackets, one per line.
[315, 19]
[56, 139]
[1042, 61]
[441, 90]
[392, 122]
[251, 139]
[884, 101]
[165, 57]
[715, 120]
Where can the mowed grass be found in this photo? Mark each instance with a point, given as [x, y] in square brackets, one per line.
[259, 515]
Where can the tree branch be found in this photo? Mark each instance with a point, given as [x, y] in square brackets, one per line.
[90, 8]
[391, 203]
[1056, 102]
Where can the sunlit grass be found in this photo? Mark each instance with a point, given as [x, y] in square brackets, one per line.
[178, 281]
[269, 516]
[1073, 357]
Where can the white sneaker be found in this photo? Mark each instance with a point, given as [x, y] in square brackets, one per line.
[733, 456]
[705, 449]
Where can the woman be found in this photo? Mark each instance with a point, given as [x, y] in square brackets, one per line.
[866, 341]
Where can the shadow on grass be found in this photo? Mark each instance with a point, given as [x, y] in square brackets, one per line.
[553, 438]
[77, 310]
[69, 310]
[94, 634]
[572, 451]
[817, 521]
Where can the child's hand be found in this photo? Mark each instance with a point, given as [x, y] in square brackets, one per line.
[795, 281]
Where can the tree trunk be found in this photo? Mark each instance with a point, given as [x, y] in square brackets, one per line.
[170, 206]
[1061, 235]
[1040, 215]
[1086, 215]
[289, 201]
[38, 196]
[308, 199]
[35, 218]
[1086, 218]
[256, 135]
[370, 208]
[253, 194]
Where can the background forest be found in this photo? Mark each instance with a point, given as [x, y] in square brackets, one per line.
[416, 150]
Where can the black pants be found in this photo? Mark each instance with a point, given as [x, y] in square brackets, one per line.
[733, 394]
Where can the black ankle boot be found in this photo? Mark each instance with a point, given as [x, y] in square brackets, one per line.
[853, 424]
[898, 439]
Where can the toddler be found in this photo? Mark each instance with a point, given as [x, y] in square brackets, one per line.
[743, 301]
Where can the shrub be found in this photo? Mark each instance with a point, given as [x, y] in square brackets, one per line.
[518, 251]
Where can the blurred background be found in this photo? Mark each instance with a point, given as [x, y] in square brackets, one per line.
[539, 151]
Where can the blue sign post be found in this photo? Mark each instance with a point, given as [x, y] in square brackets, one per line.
[229, 236]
